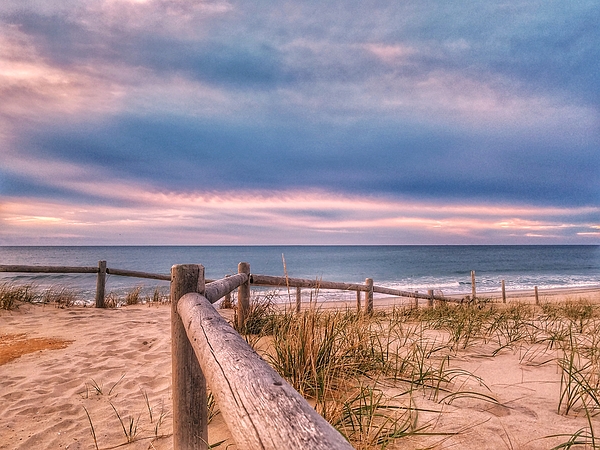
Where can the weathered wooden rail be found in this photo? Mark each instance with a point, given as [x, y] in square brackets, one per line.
[47, 269]
[368, 288]
[102, 270]
[261, 410]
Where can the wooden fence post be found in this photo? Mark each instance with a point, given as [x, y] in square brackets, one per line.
[430, 299]
[100, 284]
[298, 299]
[190, 416]
[357, 302]
[537, 299]
[473, 290]
[503, 292]
[369, 296]
[243, 303]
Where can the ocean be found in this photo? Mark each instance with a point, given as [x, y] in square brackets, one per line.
[442, 268]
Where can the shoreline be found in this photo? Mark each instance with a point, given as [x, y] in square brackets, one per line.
[530, 293]
[386, 301]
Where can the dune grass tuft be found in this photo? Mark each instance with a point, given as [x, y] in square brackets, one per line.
[260, 315]
[61, 297]
[137, 419]
[11, 295]
[133, 297]
[338, 359]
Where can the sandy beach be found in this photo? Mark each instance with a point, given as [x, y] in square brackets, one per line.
[66, 372]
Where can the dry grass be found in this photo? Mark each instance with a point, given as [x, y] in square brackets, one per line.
[260, 315]
[345, 362]
[60, 297]
[134, 297]
[11, 295]
[138, 419]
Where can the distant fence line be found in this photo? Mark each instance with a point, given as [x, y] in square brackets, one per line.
[67, 269]
[102, 270]
[260, 280]
[255, 279]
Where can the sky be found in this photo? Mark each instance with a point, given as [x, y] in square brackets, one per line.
[183, 122]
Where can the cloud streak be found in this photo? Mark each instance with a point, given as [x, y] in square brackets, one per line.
[273, 217]
[367, 109]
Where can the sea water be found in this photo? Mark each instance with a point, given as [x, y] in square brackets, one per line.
[414, 268]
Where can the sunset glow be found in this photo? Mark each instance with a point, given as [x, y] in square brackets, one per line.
[216, 218]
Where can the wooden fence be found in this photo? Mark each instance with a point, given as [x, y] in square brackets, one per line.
[368, 288]
[101, 272]
[257, 280]
[261, 410]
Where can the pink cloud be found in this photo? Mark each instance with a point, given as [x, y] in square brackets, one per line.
[279, 217]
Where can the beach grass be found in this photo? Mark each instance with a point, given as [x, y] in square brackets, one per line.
[342, 361]
[61, 297]
[137, 420]
[136, 296]
[11, 295]
[345, 362]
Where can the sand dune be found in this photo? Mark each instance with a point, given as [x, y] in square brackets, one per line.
[108, 361]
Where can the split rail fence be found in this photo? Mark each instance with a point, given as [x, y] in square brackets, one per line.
[368, 288]
[261, 410]
[101, 272]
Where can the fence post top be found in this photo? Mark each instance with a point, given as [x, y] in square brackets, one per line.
[190, 277]
[196, 269]
[186, 266]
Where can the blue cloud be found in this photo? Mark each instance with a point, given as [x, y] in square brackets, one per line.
[60, 40]
[310, 112]
[548, 48]
[65, 42]
[175, 152]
